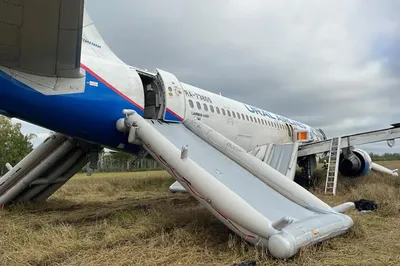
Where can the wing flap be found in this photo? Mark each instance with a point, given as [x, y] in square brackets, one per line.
[42, 37]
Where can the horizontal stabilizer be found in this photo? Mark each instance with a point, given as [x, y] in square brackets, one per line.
[42, 37]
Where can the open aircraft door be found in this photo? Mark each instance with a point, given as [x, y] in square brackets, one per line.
[290, 130]
[174, 98]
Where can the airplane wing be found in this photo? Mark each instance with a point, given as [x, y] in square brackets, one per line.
[387, 134]
[42, 37]
[239, 189]
[343, 157]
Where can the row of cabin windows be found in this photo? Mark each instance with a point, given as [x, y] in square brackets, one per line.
[235, 115]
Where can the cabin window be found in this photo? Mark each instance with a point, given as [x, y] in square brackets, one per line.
[247, 118]
[205, 107]
[223, 111]
[238, 115]
[233, 114]
[229, 113]
[191, 104]
[243, 117]
[262, 121]
[259, 121]
[217, 108]
[198, 105]
[251, 118]
[212, 108]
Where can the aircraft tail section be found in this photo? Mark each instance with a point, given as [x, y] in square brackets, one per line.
[42, 37]
[93, 43]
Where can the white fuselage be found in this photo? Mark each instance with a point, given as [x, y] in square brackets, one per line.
[108, 85]
[244, 124]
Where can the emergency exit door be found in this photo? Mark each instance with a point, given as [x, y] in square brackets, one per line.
[174, 98]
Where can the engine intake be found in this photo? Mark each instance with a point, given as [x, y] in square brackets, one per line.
[358, 164]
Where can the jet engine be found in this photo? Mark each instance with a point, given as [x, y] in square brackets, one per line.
[357, 164]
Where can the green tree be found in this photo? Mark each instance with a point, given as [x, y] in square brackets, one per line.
[14, 145]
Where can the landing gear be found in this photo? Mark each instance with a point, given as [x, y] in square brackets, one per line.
[308, 164]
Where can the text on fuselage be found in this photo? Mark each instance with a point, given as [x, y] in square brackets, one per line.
[198, 96]
[256, 110]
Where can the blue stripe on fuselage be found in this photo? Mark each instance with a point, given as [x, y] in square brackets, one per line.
[90, 115]
[170, 117]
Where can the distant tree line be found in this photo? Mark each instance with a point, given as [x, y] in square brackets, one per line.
[375, 157]
[385, 157]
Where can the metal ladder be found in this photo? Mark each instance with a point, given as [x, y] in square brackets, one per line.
[333, 167]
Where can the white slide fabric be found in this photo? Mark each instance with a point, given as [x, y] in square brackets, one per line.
[254, 200]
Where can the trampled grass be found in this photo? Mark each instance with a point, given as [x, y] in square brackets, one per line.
[132, 219]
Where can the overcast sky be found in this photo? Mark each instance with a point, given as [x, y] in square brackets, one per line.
[329, 64]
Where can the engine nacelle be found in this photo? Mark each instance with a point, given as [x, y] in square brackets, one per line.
[358, 164]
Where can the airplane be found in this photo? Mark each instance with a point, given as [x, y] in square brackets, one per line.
[239, 161]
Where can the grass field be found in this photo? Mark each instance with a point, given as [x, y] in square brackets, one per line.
[132, 219]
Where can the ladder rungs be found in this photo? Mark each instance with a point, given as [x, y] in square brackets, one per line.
[332, 171]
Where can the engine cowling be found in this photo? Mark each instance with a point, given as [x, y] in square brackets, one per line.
[358, 164]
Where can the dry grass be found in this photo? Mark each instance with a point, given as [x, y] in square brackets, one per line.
[132, 219]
